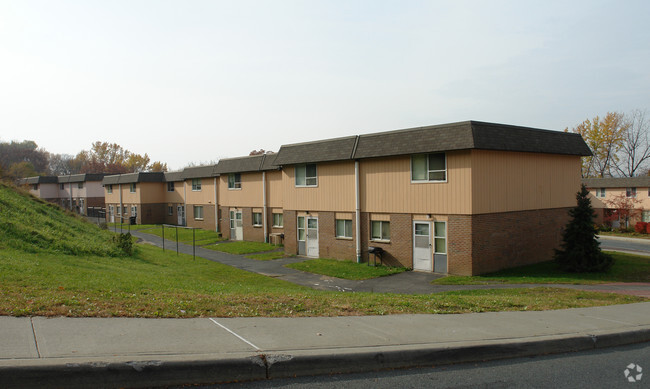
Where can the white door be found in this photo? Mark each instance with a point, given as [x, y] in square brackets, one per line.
[236, 225]
[422, 256]
[180, 211]
[312, 237]
[111, 214]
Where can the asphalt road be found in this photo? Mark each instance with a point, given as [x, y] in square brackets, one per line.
[604, 368]
[636, 246]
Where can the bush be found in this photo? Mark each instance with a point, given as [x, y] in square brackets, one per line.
[124, 243]
[641, 227]
[605, 228]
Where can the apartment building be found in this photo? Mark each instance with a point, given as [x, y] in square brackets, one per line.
[135, 195]
[200, 195]
[607, 194]
[80, 193]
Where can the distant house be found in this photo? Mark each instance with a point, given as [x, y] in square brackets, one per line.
[606, 193]
[80, 193]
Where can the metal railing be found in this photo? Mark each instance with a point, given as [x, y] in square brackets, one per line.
[176, 230]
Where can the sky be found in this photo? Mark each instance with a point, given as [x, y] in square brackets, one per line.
[196, 81]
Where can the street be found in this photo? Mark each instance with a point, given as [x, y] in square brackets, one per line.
[603, 368]
[629, 245]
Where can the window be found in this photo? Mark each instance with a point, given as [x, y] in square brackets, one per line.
[301, 228]
[234, 181]
[134, 210]
[35, 187]
[170, 210]
[110, 210]
[132, 187]
[170, 187]
[109, 189]
[380, 230]
[62, 186]
[196, 184]
[278, 220]
[429, 168]
[198, 212]
[306, 175]
[343, 228]
[600, 192]
[630, 192]
[257, 219]
[440, 237]
[80, 185]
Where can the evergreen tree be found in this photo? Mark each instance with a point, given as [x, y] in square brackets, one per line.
[580, 251]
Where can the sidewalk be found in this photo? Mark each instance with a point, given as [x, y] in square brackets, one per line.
[120, 352]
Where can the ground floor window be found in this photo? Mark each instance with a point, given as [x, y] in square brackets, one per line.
[440, 237]
[257, 219]
[170, 210]
[278, 220]
[380, 230]
[646, 216]
[301, 228]
[198, 212]
[343, 228]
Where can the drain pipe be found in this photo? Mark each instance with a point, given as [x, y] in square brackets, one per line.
[216, 207]
[358, 209]
[184, 203]
[264, 222]
[121, 205]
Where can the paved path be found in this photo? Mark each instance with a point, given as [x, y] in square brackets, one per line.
[625, 245]
[409, 282]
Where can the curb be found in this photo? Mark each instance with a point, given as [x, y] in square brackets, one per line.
[268, 366]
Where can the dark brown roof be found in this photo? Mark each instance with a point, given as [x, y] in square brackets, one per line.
[446, 137]
[252, 163]
[129, 178]
[199, 172]
[617, 182]
[320, 151]
[81, 177]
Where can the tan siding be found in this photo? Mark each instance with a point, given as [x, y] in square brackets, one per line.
[274, 189]
[149, 192]
[203, 196]
[507, 181]
[250, 194]
[386, 187]
[641, 201]
[177, 195]
[335, 190]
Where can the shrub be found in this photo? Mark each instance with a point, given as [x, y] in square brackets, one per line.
[605, 228]
[124, 243]
[641, 227]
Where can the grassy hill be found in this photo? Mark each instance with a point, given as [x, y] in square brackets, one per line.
[35, 226]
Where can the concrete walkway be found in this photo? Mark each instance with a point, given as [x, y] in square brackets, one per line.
[403, 283]
[119, 352]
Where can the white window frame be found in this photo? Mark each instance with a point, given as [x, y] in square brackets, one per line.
[234, 181]
[347, 228]
[109, 188]
[381, 231]
[278, 220]
[311, 181]
[170, 186]
[428, 170]
[257, 219]
[196, 184]
[132, 187]
[170, 210]
[600, 192]
[198, 208]
[134, 210]
[437, 237]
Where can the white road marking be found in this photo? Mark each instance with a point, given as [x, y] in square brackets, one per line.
[232, 332]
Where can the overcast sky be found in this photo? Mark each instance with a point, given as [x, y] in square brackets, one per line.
[196, 81]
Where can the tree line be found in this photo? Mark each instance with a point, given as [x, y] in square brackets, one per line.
[620, 144]
[26, 159]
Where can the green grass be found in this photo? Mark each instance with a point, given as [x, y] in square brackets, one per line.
[625, 234]
[126, 227]
[627, 268]
[345, 269]
[267, 256]
[202, 237]
[55, 264]
[242, 247]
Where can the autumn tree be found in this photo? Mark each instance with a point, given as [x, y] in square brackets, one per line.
[604, 137]
[623, 207]
[634, 152]
[112, 158]
[62, 164]
[19, 158]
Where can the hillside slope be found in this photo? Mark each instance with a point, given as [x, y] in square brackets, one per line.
[33, 225]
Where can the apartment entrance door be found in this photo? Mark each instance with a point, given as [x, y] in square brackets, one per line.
[180, 210]
[422, 253]
[236, 225]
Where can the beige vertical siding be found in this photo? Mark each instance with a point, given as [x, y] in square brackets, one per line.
[509, 181]
[335, 190]
[177, 195]
[386, 187]
[250, 194]
[274, 189]
[203, 196]
[148, 192]
[641, 201]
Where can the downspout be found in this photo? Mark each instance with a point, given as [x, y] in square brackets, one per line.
[121, 206]
[266, 235]
[358, 209]
[184, 202]
[70, 190]
[216, 207]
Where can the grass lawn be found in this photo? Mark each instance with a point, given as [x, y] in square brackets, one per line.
[625, 234]
[242, 247]
[157, 284]
[267, 256]
[627, 268]
[345, 269]
[202, 237]
[126, 226]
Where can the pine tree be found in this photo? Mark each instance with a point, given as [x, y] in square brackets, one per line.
[580, 250]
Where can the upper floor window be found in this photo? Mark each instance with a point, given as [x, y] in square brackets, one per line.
[35, 187]
[80, 185]
[62, 186]
[600, 192]
[170, 186]
[429, 167]
[306, 175]
[109, 188]
[132, 187]
[234, 181]
[196, 184]
[630, 192]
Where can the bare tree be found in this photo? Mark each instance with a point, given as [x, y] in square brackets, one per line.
[635, 146]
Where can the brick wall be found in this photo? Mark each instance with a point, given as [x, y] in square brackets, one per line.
[208, 217]
[290, 232]
[503, 240]
[459, 244]
[329, 246]
[251, 233]
[148, 213]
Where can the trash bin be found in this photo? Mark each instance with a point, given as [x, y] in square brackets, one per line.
[132, 220]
